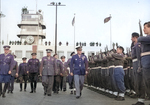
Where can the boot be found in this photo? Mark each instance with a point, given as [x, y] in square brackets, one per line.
[20, 87]
[3, 95]
[31, 87]
[139, 103]
[119, 98]
[25, 86]
[35, 83]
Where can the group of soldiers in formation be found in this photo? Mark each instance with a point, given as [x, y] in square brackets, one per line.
[116, 74]
[53, 71]
[112, 72]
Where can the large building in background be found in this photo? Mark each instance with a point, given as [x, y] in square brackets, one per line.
[32, 33]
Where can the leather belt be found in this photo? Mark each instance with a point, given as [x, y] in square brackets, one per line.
[119, 66]
[111, 66]
[145, 53]
[134, 60]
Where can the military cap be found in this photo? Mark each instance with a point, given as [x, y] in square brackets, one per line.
[135, 34]
[6, 47]
[33, 54]
[72, 53]
[79, 48]
[49, 50]
[120, 47]
[63, 57]
[24, 58]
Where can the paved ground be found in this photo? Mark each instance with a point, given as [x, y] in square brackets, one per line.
[63, 98]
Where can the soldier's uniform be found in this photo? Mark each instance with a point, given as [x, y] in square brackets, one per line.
[34, 66]
[111, 67]
[144, 62]
[23, 74]
[57, 76]
[78, 67]
[47, 69]
[71, 78]
[13, 74]
[119, 75]
[65, 73]
[6, 65]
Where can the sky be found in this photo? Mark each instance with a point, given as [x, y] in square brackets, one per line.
[89, 19]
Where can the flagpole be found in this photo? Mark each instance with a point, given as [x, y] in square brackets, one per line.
[74, 33]
[110, 33]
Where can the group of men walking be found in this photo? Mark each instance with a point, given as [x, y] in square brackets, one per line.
[117, 74]
[54, 72]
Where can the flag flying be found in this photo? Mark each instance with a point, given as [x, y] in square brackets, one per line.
[141, 34]
[107, 19]
[73, 21]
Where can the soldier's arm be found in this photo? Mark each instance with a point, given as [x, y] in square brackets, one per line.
[41, 67]
[71, 65]
[61, 67]
[55, 65]
[19, 68]
[144, 40]
[16, 67]
[11, 63]
[86, 64]
[117, 56]
[138, 54]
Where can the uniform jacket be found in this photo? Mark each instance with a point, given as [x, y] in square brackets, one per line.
[23, 68]
[118, 59]
[15, 68]
[65, 71]
[59, 67]
[33, 65]
[145, 43]
[6, 63]
[48, 66]
[79, 65]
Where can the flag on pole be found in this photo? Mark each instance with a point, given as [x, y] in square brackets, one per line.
[141, 34]
[73, 21]
[107, 19]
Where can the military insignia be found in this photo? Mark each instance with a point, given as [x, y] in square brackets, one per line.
[75, 59]
[83, 57]
[8, 57]
[36, 60]
[45, 59]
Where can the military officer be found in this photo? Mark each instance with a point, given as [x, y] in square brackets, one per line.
[6, 66]
[47, 71]
[23, 73]
[78, 68]
[34, 66]
[144, 61]
[13, 74]
[65, 72]
[119, 73]
[58, 74]
[71, 78]
[138, 82]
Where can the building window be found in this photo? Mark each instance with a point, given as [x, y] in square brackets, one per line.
[28, 54]
[18, 54]
[68, 54]
[40, 54]
[60, 53]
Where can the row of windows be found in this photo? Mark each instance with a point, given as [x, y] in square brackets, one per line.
[40, 54]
